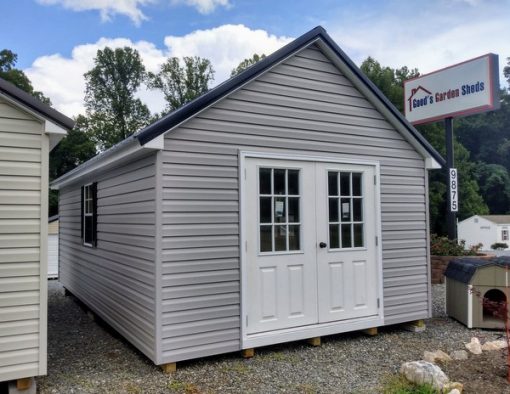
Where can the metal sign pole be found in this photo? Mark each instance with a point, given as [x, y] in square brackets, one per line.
[452, 206]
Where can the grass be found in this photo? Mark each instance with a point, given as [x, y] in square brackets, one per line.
[397, 384]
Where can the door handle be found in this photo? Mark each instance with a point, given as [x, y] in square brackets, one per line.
[322, 245]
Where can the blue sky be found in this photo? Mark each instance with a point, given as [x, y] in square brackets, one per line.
[56, 39]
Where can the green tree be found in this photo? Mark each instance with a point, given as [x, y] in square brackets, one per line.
[9, 72]
[246, 63]
[112, 109]
[494, 181]
[390, 81]
[75, 148]
[181, 83]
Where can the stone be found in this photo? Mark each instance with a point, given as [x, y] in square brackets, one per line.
[438, 355]
[460, 355]
[494, 345]
[424, 372]
[453, 387]
[474, 346]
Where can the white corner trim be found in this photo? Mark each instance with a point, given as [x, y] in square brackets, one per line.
[470, 306]
[156, 143]
[431, 164]
[53, 128]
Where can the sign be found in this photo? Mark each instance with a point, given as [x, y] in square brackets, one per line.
[459, 90]
[454, 187]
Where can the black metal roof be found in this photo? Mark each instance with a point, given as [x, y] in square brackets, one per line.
[463, 269]
[31, 102]
[183, 113]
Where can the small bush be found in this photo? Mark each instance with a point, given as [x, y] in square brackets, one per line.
[442, 246]
[499, 246]
[397, 384]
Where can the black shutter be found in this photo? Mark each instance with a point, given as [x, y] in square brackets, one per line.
[94, 213]
[81, 212]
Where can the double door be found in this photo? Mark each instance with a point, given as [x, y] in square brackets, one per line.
[310, 231]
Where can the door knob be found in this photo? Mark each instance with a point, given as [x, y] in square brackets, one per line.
[322, 245]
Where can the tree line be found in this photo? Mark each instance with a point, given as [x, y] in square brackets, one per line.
[113, 112]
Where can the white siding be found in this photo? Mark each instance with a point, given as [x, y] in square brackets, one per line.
[303, 106]
[53, 256]
[23, 169]
[116, 279]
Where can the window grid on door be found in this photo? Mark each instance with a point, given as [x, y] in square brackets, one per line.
[279, 210]
[345, 210]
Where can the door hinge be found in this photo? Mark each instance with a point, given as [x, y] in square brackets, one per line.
[375, 180]
[378, 303]
[376, 241]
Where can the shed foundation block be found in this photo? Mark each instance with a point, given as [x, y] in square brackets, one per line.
[370, 331]
[23, 386]
[169, 368]
[248, 353]
[415, 326]
[314, 341]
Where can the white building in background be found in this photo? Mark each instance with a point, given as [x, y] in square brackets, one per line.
[485, 229]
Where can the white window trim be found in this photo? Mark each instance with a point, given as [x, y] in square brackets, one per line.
[85, 214]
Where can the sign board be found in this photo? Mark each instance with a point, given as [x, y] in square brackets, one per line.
[462, 89]
[454, 190]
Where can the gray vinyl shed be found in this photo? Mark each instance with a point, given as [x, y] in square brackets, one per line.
[29, 129]
[287, 203]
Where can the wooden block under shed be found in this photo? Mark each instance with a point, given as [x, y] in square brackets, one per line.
[370, 331]
[316, 341]
[23, 384]
[415, 326]
[169, 368]
[248, 353]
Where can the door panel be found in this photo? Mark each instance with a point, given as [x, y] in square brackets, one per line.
[347, 267]
[280, 250]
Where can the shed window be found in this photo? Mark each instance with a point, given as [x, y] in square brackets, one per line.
[89, 217]
[504, 235]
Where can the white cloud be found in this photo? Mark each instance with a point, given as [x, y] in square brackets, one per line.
[61, 78]
[204, 6]
[106, 8]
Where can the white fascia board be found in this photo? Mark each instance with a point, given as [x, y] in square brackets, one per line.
[376, 102]
[156, 143]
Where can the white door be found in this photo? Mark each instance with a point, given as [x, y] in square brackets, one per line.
[346, 235]
[280, 233]
[310, 231]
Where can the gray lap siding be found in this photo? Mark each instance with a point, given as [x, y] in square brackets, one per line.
[116, 279]
[305, 107]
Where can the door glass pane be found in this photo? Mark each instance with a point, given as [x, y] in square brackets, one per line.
[265, 209]
[294, 237]
[356, 184]
[88, 229]
[345, 183]
[265, 181]
[280, 238]
[279, 181]
[333, 209]
[358, 235]
[279, 210]
[346, 236]
[345, 204]
[293, 182]
[357, 215]
[293, 209]
[332, 183]
[266, 244]
[334, 237]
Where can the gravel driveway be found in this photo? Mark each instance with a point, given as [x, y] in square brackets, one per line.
[87, 357]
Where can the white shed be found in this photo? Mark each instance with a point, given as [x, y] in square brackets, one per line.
[53, 247]
[485, 229]
[29, 129]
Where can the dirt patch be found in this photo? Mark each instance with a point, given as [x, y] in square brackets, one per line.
[484, 373]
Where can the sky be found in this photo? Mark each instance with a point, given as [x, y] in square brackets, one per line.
[56, 40]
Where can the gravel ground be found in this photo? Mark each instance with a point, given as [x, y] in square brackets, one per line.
[87, 357]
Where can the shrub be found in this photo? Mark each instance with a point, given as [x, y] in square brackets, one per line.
[499, 246]
[442, 246]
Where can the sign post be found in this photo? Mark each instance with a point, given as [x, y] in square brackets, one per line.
[463, 89]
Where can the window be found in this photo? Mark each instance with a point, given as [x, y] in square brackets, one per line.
[88, 216]
[345, 210]
[504, 235]
[279, 210]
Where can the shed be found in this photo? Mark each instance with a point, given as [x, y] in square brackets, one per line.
[29, 129]
[475, 289]
[53, 247]
[485, 229]
[288, 202]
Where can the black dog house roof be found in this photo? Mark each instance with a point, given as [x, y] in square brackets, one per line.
[463, 269]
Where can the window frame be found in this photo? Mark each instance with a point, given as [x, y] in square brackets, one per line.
[91, 189]
[504, 235]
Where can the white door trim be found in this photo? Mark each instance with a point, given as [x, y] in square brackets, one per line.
[309, 331]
